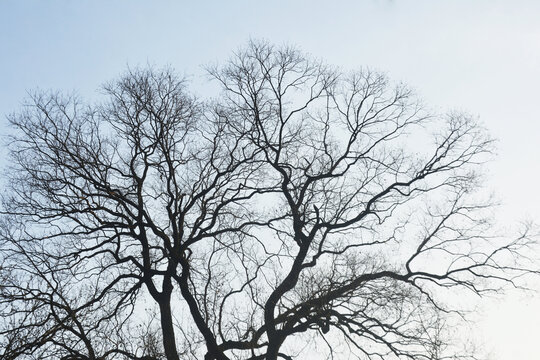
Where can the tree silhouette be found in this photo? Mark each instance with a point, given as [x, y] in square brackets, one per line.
[305, 205]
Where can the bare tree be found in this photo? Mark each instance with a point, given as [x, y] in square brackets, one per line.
[304, 206]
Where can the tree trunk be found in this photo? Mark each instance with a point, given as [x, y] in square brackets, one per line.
[169, 341]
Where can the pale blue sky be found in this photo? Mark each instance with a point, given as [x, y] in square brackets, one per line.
[479, 56]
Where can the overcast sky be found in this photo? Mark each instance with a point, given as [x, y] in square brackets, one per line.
[482, 57]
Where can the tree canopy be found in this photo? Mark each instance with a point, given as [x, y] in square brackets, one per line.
[305, 211]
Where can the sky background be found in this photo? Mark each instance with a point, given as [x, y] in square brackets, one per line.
[482, 57]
